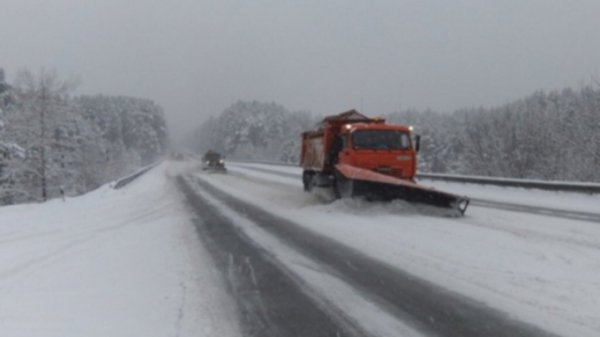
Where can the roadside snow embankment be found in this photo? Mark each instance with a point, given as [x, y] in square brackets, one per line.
[110, 263]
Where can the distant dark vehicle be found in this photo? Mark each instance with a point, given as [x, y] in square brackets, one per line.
[176, 156]
[213, 161]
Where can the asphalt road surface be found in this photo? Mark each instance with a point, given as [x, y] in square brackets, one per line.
[273, 302]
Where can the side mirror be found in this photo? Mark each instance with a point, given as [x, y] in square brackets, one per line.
[417, 143]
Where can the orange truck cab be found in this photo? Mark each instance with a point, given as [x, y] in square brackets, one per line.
[351, 139]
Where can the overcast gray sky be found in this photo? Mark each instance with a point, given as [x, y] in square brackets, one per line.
[196, 57]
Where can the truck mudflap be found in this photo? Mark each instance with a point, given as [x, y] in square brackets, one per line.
[352, 181]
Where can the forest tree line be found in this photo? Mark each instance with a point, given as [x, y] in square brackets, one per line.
[254, 131]
[54, 144]
[547, 135]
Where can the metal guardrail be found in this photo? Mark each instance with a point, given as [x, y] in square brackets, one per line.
[126, 180]
[591, 188]
[580, 187]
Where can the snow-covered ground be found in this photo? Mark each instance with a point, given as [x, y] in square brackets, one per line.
[570, 201]
[128, 262]
[537, 268]
[110, 263]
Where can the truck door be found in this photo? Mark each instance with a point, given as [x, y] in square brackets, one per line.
[344, 153]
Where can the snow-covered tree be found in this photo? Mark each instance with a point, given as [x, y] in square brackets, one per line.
[254, 130]
[125, 133]
[39, 112]
[554, 136]
[53, 144]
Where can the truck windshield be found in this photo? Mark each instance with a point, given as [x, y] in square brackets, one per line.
[212, 156]
[380, 139]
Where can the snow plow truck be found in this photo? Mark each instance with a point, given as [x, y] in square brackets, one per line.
[358, 156]
[213, 162]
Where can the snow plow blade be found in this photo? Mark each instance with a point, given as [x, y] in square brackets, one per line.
[215, 169]
[353, 181]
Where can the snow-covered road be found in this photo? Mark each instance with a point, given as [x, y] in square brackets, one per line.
[130, 263]
[537, 268]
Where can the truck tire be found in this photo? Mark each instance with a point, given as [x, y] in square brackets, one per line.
[307, 180]
[342, 187]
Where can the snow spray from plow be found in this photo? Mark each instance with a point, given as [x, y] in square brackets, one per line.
[356, 182]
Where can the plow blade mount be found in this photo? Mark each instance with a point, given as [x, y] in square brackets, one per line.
[352, 181]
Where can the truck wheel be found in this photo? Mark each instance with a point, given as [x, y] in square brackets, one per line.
[307, 180]
[336, 189]
[342, 187]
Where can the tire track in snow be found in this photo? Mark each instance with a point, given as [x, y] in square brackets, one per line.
[74, 240]
[270, 302]
[430, 308]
